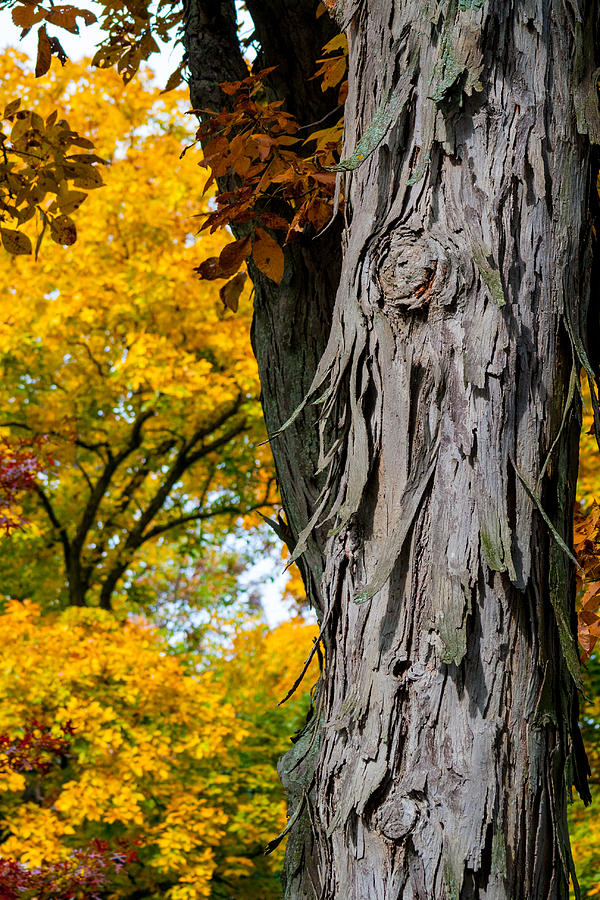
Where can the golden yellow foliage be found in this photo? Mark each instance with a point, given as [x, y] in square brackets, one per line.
[584, 825]
[113, 348]
[181, 759]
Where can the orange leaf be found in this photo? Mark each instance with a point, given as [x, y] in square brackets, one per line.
[339, 42]
[272, 220]
[268, 255]
[264, 143]
[233, 255]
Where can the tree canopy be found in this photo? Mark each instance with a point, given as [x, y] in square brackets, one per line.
[172, 754]
[139, 378]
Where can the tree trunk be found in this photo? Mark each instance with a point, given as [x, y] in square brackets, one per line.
[444, 740]
[447, 735]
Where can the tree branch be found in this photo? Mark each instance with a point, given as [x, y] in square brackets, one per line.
[104, 480]
[201, 516]
[94, 448]
[62, 531]
[215, 425]
[207, 449]
[91, 357]
[291, 38]
[181, 464]
[213, 50]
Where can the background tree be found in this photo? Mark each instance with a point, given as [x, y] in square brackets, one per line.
[174, 753]
[141, 380]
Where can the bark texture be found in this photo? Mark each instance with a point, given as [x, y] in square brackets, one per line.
[447, 741]
[434, 544]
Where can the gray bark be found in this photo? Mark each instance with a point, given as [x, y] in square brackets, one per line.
[444, 740]
[448, 739]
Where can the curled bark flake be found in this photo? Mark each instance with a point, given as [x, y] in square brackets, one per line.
[409, 504]
[388, 112]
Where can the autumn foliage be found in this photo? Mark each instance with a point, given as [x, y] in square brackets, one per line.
[142, 381]
[164, 754]
[258, 146]
[20, 462]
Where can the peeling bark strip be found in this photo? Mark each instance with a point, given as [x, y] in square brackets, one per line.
[448, 736]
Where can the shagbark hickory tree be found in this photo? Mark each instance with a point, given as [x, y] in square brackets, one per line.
[429, 480]
[419, 362]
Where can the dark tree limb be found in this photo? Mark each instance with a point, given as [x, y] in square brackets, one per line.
[103, 482]
[213, 50]
[61, 529]
[291, 38]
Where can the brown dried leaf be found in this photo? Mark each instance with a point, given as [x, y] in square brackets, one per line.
[210, 269]
[11, 108]
[44, 53]
[27, 15]
[63, 231]
[174, 80]
[15, 242]
[230, 292]
[233, 255]
[66, 17]
[272, 220]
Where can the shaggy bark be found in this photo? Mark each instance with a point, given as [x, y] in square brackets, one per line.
[444, 740]
[448, 736]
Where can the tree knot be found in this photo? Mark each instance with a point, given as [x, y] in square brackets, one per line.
[411, 272]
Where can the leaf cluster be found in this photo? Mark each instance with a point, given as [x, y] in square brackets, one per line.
[36, 749]
[81, 876]
[130, 27]
[171, 755]
[257, 146]
[147, 388]
[40, 173]
[586, 542]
